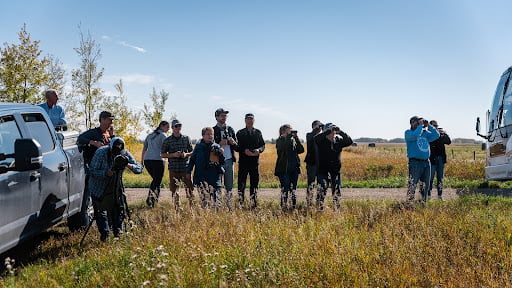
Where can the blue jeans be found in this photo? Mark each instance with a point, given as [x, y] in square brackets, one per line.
[418, 171]
[311, 173]
[228, 174]
[289, 186]
[324, 180]
[437, 169]
[102, 219]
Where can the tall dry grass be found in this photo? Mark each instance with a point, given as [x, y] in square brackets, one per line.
[461, 243]
[361, 163]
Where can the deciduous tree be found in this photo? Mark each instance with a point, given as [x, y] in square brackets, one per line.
[128, 122]
[154, 113]
[23, 71]
[86, 95]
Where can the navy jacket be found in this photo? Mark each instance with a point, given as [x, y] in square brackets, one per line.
[204, 169]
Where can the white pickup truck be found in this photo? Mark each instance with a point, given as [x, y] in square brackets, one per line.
[41, 175]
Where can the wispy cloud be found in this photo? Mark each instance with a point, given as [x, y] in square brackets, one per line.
[124, 43]
[140, 49]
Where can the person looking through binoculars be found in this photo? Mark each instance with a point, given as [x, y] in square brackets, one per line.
[330, 143]
[287, 168]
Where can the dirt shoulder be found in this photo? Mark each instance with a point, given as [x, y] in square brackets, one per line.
[139, 194]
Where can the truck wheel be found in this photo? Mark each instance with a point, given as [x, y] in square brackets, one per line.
[84, 217]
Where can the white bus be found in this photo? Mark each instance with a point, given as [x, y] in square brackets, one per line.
[499, 131]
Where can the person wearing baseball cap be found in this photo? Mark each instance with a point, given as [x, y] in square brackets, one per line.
[178, 148]
[311, 159]
[250, 146]
[225, 136]
[330, 144]
[89, 141]
[418, 139]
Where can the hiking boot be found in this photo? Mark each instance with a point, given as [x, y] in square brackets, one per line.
[103, 237]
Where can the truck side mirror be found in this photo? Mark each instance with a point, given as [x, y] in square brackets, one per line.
[477, 125]
[27, 154]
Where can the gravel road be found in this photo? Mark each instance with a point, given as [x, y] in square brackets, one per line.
[139, 194]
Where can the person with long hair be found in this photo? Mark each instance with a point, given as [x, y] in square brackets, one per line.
[153, 162]
[288, 147]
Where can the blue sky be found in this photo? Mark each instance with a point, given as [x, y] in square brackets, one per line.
[367, 66]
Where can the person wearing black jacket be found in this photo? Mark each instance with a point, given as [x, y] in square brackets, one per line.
[225, 136]
[438, 159]
[330, 143]
[311, 159]
[89, 141]
[250, 146]
[287, 168]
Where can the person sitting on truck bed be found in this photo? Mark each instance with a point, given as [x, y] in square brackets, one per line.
[106, 187]
[55, 111]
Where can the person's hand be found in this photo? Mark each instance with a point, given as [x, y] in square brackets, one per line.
[109, 173]
[223, 142]
[231, 141]
[96, 144]
[248, 152]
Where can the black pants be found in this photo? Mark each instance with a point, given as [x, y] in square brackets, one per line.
[156, 170]
[253, 171]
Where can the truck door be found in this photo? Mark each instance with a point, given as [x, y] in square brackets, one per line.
[53, 198]
[19, 191]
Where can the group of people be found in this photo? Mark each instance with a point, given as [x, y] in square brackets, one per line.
[212, 162]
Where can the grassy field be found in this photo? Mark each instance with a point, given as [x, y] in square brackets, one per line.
[460, 243]
[363, 166]
[465, 242]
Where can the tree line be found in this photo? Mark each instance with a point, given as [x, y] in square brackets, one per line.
[26, 73]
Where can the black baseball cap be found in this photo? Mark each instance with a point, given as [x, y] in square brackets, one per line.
[414, 119]
[107, 114]
[220, 111]
[175, 122]
[316, 122]
[249, 115]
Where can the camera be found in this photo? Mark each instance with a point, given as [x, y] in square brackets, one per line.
[120, 162]
[293, 132]
[216, 160]
[425, 122]
[216, 151]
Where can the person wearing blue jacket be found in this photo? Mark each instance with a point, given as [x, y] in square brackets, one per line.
[104, 171]
[418, 140]
[207, 160]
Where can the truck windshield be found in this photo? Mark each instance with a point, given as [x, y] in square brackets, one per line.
[501, 110]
